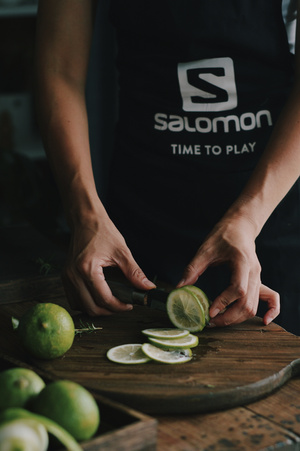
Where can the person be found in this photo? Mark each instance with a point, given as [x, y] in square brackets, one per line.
[204, 179]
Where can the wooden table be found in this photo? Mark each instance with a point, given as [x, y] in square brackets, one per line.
[272, 423]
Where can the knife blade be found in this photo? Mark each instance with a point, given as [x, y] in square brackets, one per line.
[155, 298]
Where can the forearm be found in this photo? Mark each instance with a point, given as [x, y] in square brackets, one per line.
[276, 172]
[64, 126]
[64, 35]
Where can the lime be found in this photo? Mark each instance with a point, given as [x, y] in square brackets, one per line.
[168, 333]
[159, 355]
[128, 354]
[180, 343]
[18, 386]
[18, 413]
[71, 406]
[23, 435]
[202, 298]
[185, 311]
[46, 330]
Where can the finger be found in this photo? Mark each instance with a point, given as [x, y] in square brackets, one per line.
[93, 293]
[242, 309]
[134, 273]
[237, 289]
[103, 297]
[273, 300]
[80, 299]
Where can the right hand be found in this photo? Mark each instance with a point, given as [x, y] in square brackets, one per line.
[93, 247]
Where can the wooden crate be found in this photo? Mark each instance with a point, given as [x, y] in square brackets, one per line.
[121, 428]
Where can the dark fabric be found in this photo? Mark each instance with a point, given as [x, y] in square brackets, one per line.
[201, 86]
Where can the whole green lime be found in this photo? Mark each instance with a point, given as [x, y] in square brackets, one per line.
[47, 331]
[18, 386]
[71, 406]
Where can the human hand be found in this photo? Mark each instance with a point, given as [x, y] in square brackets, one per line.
[233, 243]
[92, 248]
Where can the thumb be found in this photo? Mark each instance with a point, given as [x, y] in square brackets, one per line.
[272, 299]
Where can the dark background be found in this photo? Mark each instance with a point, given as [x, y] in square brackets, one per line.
[28, 195]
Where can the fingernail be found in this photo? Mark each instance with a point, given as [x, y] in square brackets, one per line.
[129, 306]
[148, 283]
[214, 312]
[181, 283]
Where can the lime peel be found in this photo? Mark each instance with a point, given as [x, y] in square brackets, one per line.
[25, 434]
[53, 428]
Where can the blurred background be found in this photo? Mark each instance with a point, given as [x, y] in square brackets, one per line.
[28, 195]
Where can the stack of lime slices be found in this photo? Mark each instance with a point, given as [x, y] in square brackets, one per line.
[188, 308]
[164, 346]
[169, 345]
[188, 311]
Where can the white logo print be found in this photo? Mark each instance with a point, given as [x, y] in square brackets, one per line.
[208, 85]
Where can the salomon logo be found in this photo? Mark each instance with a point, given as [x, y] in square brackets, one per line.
[207, 85]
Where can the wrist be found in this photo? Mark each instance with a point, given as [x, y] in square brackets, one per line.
[247, 211]
[83, 207]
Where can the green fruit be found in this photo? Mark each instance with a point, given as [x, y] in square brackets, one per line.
[71, 406]
[185, 311]
[202, 298]
[18, 386]
[191, 341]
[47, 331]
[170, 357]
[129, 354]
[17, 413]
[23, 435]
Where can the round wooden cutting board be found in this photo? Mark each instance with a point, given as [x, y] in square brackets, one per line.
[230, 367]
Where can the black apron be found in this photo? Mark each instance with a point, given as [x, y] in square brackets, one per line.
[202, 83]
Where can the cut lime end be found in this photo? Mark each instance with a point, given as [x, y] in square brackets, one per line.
[170, 357]
[128, 354]
[167, 333]
[202, 298]
[185, 311]
[187, 342]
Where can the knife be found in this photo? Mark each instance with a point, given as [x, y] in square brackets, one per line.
[155, 298]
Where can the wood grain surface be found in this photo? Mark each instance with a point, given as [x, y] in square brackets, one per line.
[231, 366]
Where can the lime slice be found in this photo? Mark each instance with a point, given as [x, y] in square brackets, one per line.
[128, 354]
[169, 333]
[180, 343]
[185, 311]
[172, 357]
[202, 298]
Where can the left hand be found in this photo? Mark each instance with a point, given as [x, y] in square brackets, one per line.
[232, 241]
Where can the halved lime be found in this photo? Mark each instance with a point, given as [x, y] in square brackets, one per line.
[172, 357]
[128, 354]
[168, 333]
[202, 298]
[180, 343]
[185, 311]
[23, 434]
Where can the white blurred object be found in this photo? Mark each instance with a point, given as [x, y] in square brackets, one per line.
[289, 12]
